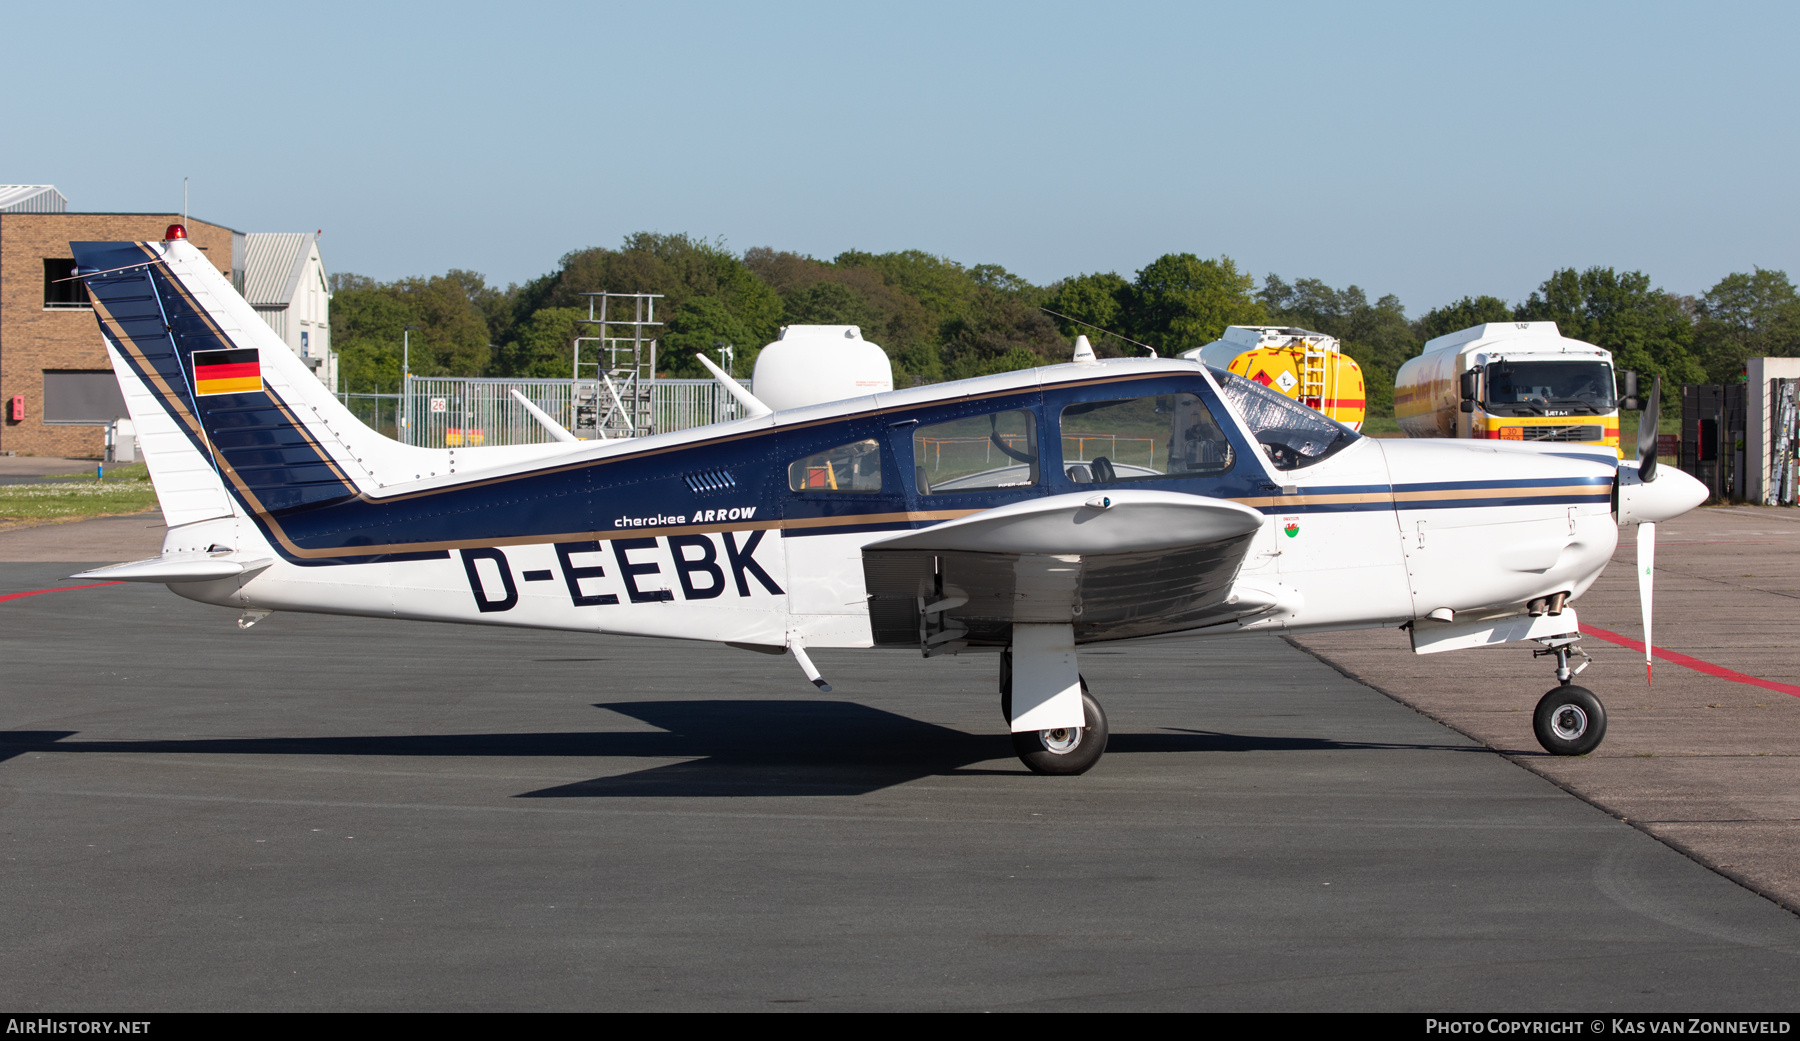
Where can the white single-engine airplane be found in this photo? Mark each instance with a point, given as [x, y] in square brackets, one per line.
[1027, 513]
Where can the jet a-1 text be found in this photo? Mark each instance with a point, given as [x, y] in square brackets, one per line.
[1026, 514]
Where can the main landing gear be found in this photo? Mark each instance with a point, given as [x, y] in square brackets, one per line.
[1059, 750]
[1569, 720]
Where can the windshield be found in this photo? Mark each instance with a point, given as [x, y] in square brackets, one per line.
[1536, 386]
[1292, 434]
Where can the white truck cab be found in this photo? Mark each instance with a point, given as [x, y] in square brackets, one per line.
[1510, 381]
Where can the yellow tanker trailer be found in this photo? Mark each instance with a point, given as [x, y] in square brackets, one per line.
[1300, 363]
[1509, 381]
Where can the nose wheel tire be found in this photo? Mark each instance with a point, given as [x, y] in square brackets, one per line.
[1067, 751]
[1569, 721]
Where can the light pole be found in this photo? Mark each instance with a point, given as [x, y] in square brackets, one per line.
[406, 332]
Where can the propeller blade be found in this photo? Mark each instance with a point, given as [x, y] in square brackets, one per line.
[1646, 566]
[1647, 435]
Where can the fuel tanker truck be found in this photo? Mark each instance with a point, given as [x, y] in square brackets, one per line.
[1300, 363]
[1509, 381]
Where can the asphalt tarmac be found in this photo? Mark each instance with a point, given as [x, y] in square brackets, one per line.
[346, 814]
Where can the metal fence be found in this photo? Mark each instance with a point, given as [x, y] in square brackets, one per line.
[458, 413]
[682, 404]
[378, 412]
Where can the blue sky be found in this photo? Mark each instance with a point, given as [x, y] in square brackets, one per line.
[1428, 150]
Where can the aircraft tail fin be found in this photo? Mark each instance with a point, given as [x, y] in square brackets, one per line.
[230, 419]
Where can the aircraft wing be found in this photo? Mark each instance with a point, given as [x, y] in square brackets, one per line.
[1115, 565]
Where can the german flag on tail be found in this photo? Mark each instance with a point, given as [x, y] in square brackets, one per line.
[237, 371]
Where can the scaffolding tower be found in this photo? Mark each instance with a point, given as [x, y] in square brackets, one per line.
[615, 399]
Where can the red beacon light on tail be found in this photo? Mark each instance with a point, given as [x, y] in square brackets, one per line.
[175, 231]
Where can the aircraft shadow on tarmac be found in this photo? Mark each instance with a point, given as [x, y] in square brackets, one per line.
[728, 748]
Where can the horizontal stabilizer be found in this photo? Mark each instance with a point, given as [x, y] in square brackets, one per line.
[177, 569]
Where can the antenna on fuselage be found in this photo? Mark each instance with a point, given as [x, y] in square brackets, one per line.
[1097, 329]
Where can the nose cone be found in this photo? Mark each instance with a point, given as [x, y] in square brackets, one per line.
[1671, 494]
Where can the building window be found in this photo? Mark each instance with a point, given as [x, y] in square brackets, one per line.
[62, 291]
[82, 396]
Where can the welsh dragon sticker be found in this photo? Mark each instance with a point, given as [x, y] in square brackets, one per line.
[1290, 526]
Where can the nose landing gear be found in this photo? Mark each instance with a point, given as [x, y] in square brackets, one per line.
[1569, 720]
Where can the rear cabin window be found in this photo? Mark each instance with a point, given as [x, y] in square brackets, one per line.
[1142, 439]
[977, 453]
[851, 469]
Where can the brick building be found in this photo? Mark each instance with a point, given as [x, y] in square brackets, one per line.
[56, 385]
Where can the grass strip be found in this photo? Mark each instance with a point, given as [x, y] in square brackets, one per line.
[75, 500]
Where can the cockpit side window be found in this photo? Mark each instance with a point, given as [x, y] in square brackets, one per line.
[854, 468]
[1292, 434]
[977, 453]
[1142, 439]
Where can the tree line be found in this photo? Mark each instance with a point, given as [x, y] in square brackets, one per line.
[939, 319]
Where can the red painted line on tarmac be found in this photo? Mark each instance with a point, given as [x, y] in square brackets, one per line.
[59, 589]
[1693, 663]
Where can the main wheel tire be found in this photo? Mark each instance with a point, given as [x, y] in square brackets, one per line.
[1064, 752]
[1569, 721]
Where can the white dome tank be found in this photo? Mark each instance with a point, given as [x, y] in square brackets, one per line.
[810, 364]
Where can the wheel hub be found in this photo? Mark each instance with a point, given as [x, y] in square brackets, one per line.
[1569, 722]
[1062, 740]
